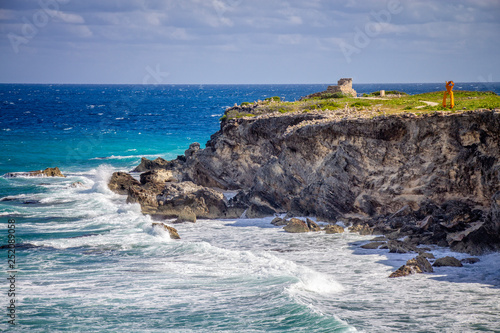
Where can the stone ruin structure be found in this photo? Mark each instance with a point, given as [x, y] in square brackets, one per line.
[343, 86]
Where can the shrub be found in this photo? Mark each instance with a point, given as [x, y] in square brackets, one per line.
[245, 103]
[274, 98]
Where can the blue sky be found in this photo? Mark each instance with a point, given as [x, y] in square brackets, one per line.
[248, 41]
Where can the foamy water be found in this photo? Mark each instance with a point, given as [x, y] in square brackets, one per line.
[101, 265]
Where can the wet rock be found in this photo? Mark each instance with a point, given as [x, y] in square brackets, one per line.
[312, 225]
[77, 184]
[333, 229]
[416, 265]
[296, 226]
[396, 246]
[278, 221]
[49, 172]
[172, 231]
[121, 182]
[362, 229]
[372, 245]
[447, 261]
[427, 255]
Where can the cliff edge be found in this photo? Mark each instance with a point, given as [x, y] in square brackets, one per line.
[434, 178]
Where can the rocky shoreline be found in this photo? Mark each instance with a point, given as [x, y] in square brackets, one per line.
[430, 179]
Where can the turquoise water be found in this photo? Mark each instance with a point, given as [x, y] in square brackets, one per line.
[87, 261]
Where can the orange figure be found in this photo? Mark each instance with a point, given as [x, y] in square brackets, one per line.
[449, 88]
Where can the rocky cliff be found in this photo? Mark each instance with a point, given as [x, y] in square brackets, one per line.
[434, 178]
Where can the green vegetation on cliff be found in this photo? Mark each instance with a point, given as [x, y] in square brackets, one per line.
[370, 105]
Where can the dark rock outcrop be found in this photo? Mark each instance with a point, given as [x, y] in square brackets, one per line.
[416, 265]
[447, 261]
[121, 182]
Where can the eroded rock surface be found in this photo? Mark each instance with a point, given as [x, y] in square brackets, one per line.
[433, 178]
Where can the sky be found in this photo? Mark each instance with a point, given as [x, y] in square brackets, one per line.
[248, 41]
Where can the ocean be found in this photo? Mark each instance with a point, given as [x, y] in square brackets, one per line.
[86, 261]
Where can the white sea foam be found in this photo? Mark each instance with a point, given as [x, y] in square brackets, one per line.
[120, 157]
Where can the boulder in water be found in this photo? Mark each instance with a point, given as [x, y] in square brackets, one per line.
[172, 231]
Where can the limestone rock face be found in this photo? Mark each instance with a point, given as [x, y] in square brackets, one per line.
[428, 176]
[203, 202]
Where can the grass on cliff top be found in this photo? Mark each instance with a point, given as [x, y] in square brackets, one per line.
[464, 100]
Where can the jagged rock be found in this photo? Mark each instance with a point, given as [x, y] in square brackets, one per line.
[121, 182]
[77, 184]
[193, 148]
[159, 176]
[425, 223]
[312, 225]
[147, 165]
[372, 245]
[362, 229]
[203, 202]
[186, 215]
[427, 255]
[278, 221]
[460, 235]
[49, 172]
[396, 246]
[416, 265]
[172, 231]
[333, 229]
[447, 261]
[296, 226]
[470, 260]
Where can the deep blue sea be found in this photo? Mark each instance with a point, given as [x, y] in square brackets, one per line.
[88, 262]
